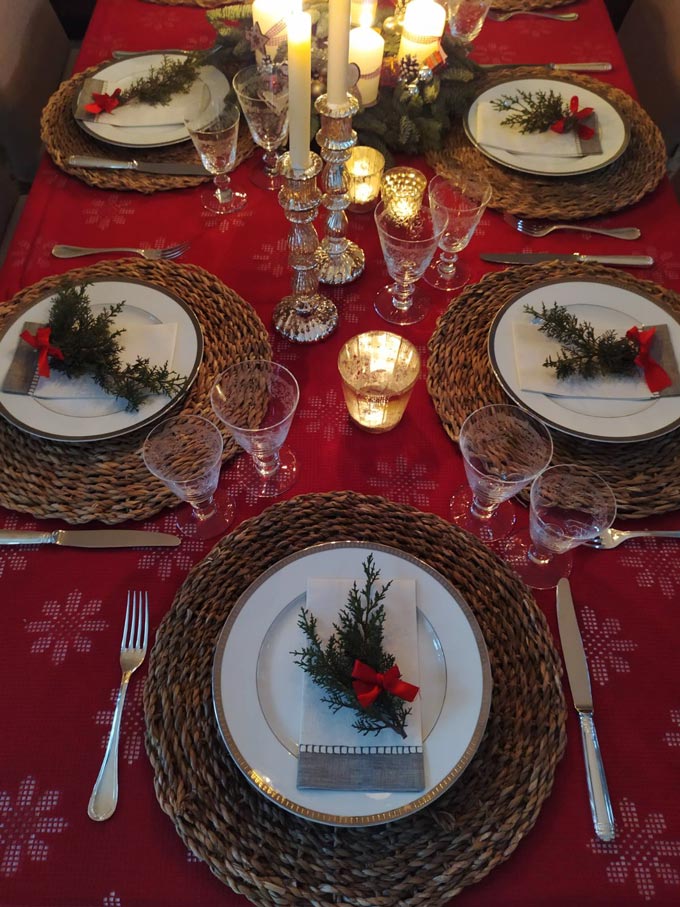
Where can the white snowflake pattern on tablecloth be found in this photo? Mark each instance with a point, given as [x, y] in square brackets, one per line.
[325, 415]
[103, 213]
[656, 564]
[639, 851]
[672, 737]
[131, 724]
[224, 224]
[66, 626]
[272, 258]
[605, 651]
[112, 900]
[25, 820]
[164, 561]
[403, 481]
[13, 559]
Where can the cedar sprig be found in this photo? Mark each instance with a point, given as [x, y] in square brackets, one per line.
[161, 84]
[531, 112]
[358, 634]
[91, 346]
[583, 352]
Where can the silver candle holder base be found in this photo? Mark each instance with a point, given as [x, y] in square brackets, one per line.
[304, 316]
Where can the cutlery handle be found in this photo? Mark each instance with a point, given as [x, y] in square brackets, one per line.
[582, 67]
[76, 251]
[104, 798]
[653, 533]
[102, 163]
[598, 792]
[26, 537]
[560, 17]
[627, 261]
[615, 232]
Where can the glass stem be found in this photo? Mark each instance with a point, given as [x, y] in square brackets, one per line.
[203, 510]
[402, 295]
[482, 510]
[266, 464]
[538, 555]
[446, 266]
[222, 188]
[270, 159]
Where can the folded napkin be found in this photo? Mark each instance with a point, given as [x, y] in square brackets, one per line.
[490, 133]
[135, 113]
[333, 756]
[532, 348]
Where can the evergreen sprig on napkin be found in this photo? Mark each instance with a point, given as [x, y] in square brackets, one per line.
[161, 84]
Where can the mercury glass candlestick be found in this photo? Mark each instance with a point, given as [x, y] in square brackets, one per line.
[304, 316]
[340, 260]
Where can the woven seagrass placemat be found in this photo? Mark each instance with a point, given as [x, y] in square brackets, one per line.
[63, 137]
[623, 182]
[107, 480]
[645, 476]
[275, 858]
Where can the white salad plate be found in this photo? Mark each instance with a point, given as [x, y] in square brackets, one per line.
[63, 418]
[614, 133]
[257, 687]
[607, 306]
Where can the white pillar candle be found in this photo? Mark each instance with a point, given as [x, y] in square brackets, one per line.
[271, 14]
[424, 22]
[363, 12]
[366, 48]
[299, 88]
[338, 52]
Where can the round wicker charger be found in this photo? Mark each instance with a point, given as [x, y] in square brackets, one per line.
[107, 480]
[63, 137]
[623, 182]
[644, 476]
[275, 858]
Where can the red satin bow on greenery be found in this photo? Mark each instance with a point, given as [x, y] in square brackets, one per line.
[369, 684]
[103, 103]
[571, 121]
[655, 375]
[40, 341]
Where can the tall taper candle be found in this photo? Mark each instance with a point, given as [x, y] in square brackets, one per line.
[338, 52]
[299, 88]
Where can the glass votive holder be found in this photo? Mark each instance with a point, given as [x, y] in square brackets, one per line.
[364, 173]
[402, 190]
[378, 370]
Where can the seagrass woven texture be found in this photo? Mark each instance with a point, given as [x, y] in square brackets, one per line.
[276, 858]
[107, 480]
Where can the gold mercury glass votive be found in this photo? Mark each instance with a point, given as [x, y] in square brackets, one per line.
[378, 370]
[402, 190]
[364, 173]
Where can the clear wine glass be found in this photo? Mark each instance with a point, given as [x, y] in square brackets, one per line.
[262, 92]
[185, 453]
[503, 449]
[256, 400]
[408, 244]
[461, 200]
[214, 132]
[569, 504]
[466, 18]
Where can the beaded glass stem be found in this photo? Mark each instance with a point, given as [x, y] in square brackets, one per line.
[305, 315]
[340, 260]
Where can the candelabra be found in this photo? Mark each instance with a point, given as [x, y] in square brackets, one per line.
[305, 315]
[340, 260]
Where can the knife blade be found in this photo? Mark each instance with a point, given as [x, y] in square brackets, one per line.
[555, 67]
[524, 258]
[579, 682]
[174, 168]
[90, 538]
[126, 54]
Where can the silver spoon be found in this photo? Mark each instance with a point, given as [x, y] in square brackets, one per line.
[503, 17]
[612, 538]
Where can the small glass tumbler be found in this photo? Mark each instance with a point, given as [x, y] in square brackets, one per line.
[466, 18]
[402, 190]
[364, 173]
[378, 370]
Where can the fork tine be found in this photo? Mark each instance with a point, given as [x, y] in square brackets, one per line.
[146, 620]
[174, 251]
[123, 642]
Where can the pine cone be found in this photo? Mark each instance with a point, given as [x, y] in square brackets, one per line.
[409, 68]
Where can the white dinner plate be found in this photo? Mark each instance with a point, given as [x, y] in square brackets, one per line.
[606, 305]
[614, 133]
[257, 687]
[146, 136]
[60, 419]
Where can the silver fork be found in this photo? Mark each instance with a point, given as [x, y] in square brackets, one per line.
[612, 538]
[503, 17]
[104, 797]
[60, 251]
[537, 228]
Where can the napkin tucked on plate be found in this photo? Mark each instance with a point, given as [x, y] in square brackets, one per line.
[532, 348]
[489, 133]
[333, 756]
[135, 113]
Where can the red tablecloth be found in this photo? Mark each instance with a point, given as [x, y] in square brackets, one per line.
[62, 609]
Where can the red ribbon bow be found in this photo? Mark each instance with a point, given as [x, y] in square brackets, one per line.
[369, 684]
[566, 124]
[103, 103]
[655, 375]
[40, 341]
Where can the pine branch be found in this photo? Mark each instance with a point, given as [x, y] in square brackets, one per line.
[531, 112]
[161, 84]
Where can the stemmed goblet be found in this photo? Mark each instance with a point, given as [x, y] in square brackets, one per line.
[408, 244]
[262, 92]
[185, 453]
[503, 449]
[214, 132]
[256, 400]
[466, 18]
[568, 505]
[460, 200]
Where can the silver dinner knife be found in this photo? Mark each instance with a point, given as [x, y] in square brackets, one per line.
[90, 538]
[579, 682]
[554, 67]
[174, 168]
[525, 258]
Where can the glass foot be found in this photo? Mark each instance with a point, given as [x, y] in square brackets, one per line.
[497, 526]
[515, 552]
[263, 180]
[193, 525]
[459, 279]
[211, 203]
[385, 307]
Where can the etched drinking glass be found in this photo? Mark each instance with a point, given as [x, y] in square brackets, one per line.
[262, 92]
[185, 453]
[256, 400]
[214, 132]
[408, 244]
[569, 504]
[460, 202]
[466, 18]
[503, 449]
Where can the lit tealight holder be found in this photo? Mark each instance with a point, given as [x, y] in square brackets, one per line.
[378, 370]
[402, 190]
[364, 173]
